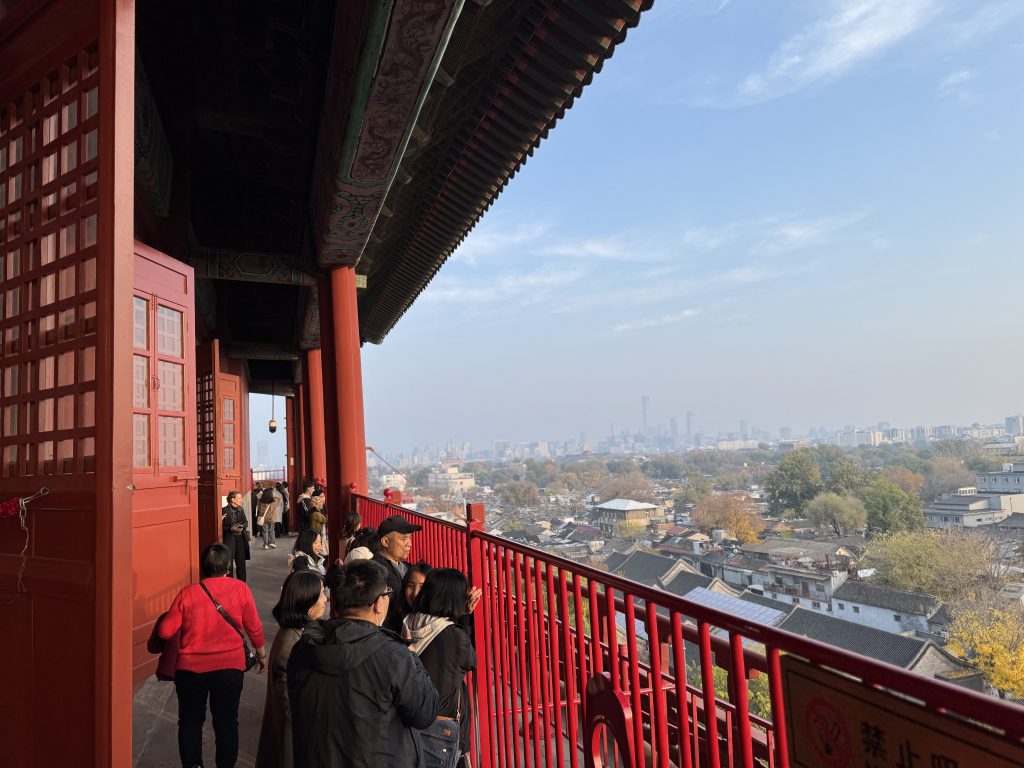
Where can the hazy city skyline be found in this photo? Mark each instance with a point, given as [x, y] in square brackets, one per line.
[796, 217]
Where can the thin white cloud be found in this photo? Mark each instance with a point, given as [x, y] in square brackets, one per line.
[830, 47]
[609, 248]
[654, 322]
[986, 20]
[784, 235]
[771, 235]
[955, 80]
[494, 238]
[504, 291]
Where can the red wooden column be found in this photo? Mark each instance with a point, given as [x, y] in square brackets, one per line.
[115, 285]
[317, 436]
[302, 450]
[291, 470]
[343, 388]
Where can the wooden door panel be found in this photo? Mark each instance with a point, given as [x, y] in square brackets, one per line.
[165, 501]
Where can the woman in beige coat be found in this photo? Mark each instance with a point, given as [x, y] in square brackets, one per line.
[303, 599]
[267, 513]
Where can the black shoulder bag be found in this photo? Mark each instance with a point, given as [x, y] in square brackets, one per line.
[250, 654]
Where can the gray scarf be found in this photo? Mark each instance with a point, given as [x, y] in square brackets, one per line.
[422, 628]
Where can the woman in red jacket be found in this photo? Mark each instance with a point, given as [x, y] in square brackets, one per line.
[211, 657]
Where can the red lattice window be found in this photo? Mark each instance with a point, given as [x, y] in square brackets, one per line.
[207, 445]
[49, 140]
[158, 383]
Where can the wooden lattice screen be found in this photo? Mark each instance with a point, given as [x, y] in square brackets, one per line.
[49, 140]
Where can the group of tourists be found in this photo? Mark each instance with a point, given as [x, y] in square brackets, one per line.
[367, 669]
[272, 518]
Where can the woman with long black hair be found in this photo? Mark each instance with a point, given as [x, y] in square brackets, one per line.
[302, 600]
[439, 638]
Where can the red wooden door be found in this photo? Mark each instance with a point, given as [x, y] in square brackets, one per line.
[164, 505]
[220, 433]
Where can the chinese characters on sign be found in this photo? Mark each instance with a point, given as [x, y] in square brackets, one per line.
[837, 723]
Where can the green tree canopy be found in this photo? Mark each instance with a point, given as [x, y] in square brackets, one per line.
[954, 565]
[793, 483]
[890, 508]
[840, 473]
[842, 514]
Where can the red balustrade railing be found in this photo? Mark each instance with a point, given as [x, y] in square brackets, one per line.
[547, 627]
[441, 543]
[277, 475]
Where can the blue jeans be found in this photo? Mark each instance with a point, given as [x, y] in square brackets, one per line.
[440, 744]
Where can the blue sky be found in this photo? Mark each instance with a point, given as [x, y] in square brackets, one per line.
[797, 213]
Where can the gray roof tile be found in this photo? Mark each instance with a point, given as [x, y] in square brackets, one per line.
[880, 596]
[874, 643]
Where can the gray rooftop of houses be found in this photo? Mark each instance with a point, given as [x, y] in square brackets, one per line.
[857, 638]
[792, 548]
[615, 559]
[880, 596]
[764, 600]
[646, 568]
[685, 582]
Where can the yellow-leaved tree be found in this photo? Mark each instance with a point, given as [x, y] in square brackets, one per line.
[735, 512]
[990, 637]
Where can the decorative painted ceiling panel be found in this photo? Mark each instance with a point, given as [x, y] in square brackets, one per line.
[347, 200]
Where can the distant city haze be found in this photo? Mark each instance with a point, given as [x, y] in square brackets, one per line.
[803, 218]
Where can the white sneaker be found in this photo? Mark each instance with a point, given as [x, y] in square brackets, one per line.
[273, 546]
[266, 547]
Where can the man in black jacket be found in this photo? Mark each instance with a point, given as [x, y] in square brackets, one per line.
[358, 695]
[395, 534]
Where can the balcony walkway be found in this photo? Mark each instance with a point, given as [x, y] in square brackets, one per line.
[155, 710]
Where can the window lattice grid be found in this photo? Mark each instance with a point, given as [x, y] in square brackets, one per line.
[205, 434]
[49, 168]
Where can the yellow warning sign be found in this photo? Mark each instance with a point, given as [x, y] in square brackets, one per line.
[833, 722]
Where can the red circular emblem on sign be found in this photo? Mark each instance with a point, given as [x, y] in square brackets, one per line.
[828, 733]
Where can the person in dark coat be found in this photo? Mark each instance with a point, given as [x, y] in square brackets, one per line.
[358, 696]
[235, 530]
[395, 534]
[302, 600]
[438, 632]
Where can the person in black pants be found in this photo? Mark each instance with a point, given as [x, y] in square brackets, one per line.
[212, 664]
[235, 527]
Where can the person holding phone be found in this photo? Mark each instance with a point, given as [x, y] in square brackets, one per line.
[235, 529]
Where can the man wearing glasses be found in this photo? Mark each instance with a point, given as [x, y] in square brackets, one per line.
[358, 696]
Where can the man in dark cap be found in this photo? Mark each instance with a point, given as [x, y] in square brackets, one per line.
[395, 534]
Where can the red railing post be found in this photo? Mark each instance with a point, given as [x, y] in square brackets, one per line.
[478, 577]
[738, 681]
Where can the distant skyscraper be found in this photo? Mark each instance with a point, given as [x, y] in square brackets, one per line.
[674, 430]
[689, 427]
[1015, 424]
[785, 433]
[744, 431]
[645, 403]
[262, 453]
